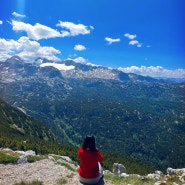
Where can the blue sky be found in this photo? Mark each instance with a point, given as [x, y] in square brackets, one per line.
[145, 37]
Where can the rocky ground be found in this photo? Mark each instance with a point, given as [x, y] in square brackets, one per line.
[48, 171]
[56, 170]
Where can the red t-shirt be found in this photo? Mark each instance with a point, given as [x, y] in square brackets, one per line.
[89, 163]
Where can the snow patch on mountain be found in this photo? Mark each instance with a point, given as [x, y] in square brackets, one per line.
[58, 66]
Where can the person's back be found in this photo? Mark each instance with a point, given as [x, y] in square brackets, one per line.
[90, 158]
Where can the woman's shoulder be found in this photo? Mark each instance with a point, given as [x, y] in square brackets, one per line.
[80, 149]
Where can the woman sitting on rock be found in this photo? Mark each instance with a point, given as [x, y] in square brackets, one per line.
[90, 171]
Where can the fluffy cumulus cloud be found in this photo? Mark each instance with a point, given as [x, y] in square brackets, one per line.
[130, 36]
[132, 41]
[80, 60]
[18, 15]
[37, 31]
[72, 29]
[110, 40]
[135, 42]
[155, 71]
[40, 31]
[8, 48]
[26, 49]
[29, 48]
[79, 47]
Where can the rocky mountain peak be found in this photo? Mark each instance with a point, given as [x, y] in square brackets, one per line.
[68, 69]
[15, 59]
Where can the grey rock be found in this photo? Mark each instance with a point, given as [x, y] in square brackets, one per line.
[23, 159]
[118, 168]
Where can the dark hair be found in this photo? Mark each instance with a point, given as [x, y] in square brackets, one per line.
[89, 143]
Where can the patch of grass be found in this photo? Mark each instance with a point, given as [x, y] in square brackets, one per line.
[8, 157]
[173, 179]
[67, 166]
[133, 179]
[29, 183]
[62, 181]
[12, 157]
[63, 159]
[56, 157]
[70, 175]
[32, 159]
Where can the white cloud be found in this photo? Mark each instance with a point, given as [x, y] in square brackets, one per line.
[74, 29]
[8, 48]
[110, 40]
[139, 45]
[18, 15]
[132, 42]
[39, 31]
[58, 66]
[1, 22]
[80, 60]
[91, 64]
[79, 47]
[26, 49]
[130, 36]
[36, 32]
[135, 42]
[155, 71]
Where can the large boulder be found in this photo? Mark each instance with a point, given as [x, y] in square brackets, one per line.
[23, 158]
[118, 169]
[30, 153]
[171, 171]
[182, 178]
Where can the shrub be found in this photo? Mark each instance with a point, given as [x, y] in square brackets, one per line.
[29, 183]
[32, 159]
[62, 181]
[7, 158]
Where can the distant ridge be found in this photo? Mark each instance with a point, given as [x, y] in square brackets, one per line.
[16, 124]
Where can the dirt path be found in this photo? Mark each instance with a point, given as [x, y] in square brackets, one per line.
[46, 170]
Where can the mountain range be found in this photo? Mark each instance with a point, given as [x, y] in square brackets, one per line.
[129, 114]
